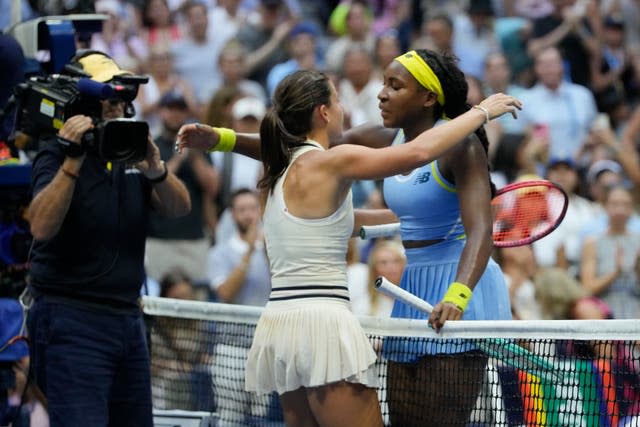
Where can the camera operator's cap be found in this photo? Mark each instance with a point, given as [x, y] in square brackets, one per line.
[100, 66]
[248, 107]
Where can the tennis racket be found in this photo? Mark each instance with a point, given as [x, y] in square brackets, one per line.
[504, 350]
[523, 212]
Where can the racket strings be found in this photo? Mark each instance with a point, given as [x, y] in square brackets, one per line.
[527, 213]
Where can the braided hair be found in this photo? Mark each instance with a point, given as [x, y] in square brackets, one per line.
[455, 88]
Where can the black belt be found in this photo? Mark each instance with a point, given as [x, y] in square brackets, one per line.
[413, 244]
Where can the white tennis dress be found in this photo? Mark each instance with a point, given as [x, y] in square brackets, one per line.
[307, 335]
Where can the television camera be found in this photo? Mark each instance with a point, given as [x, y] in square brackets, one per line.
[46, 102]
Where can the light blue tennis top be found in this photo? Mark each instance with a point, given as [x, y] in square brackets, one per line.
[425, 202]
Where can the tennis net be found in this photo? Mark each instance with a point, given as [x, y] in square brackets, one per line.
[505, 373]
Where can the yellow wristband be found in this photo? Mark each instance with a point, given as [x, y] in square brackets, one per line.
[458, 295]
[227, 140]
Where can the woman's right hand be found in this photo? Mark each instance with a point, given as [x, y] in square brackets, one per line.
[499, 104]
[198, 136]
[442, 312]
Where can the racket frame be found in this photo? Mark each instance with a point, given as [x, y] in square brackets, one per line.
[393, 229]
[514, 186]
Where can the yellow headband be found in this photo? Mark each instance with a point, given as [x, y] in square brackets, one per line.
[422, 73]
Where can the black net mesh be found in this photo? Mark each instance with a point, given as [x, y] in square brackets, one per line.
[198, 365]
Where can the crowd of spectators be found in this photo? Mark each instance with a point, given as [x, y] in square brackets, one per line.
[575, 64]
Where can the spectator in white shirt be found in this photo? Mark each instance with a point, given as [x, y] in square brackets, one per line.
[566, 109]
[358, 89]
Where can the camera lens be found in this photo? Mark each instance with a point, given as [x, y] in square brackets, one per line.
[123, 140]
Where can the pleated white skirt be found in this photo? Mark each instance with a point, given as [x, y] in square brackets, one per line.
[308, 343]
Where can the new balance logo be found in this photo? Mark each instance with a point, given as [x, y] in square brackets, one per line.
[422, 178]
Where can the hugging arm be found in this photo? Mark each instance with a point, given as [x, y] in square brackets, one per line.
[369, 135]
[206, 138]
[248, 144]
[350, 161]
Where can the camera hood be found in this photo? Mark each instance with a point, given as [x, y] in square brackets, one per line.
[121, 140]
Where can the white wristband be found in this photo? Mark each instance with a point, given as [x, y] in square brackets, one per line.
[485, 111]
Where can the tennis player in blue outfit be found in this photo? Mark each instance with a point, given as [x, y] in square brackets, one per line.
[446, 224]
[446, 228]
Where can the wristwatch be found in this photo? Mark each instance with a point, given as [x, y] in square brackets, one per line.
[162, 177]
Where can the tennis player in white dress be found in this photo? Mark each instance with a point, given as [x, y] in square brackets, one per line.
[308, 345]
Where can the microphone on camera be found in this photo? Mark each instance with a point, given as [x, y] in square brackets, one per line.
[94, 89]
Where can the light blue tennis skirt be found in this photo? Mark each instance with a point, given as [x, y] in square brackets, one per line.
[428, 274]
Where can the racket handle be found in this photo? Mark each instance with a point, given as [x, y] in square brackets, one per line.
[390, 289]
[382, 230]
[509, 353]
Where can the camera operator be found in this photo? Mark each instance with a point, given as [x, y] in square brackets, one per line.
[88, 218]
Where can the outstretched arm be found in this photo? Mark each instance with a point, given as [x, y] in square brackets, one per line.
[352, 162]
[206, 138]
[248, 144]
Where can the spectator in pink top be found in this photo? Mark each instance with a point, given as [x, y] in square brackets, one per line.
[160, 28]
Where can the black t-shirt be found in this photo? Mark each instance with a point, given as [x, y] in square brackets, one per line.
[97, 256]
[190, 226]
[571, 48]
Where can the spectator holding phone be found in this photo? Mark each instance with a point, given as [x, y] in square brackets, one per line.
[566, 109]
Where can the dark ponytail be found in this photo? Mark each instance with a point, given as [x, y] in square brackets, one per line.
[455, 88]
[287, 124]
